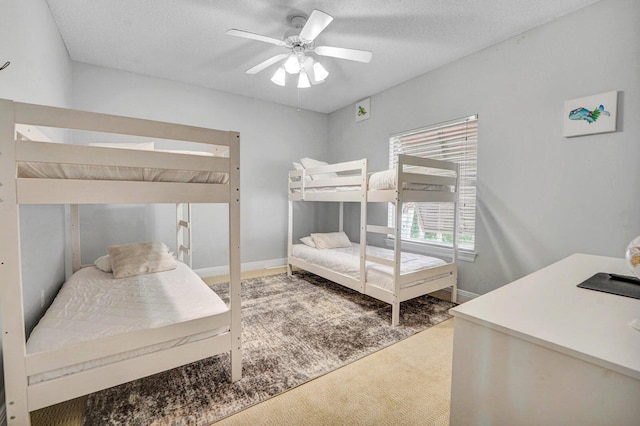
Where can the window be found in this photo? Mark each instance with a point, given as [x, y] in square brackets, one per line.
[432, 223]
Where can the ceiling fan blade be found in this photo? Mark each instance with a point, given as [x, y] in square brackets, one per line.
[342, 53]
[253, 36]
[317, 22]
[267, 63]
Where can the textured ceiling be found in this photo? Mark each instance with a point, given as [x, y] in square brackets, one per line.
[185, 40]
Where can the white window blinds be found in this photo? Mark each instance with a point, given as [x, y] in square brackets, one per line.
[455, 141]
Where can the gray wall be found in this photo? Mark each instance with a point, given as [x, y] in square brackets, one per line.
[272, 136]
[40, 72]
[541, 196]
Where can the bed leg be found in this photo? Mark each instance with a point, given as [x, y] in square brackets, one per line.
[236, 364]
[395, 314]
[289, 270]
[17, 413]
[454, 293]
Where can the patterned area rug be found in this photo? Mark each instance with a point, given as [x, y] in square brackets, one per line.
[294, 330]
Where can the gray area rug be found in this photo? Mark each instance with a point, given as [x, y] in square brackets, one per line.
[294, 330]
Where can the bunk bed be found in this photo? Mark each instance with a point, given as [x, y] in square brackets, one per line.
[53, 368]
[392, 276]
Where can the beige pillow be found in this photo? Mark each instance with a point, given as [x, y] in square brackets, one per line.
[331, 240]
[140, 258]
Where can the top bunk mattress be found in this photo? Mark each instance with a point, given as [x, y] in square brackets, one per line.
[346, 261]
[93, 304]
[92, 172]
[379, 181]
[387, 179]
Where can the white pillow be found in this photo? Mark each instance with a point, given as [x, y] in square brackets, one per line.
[310, 163]
[331, 240]
[308, 241]
[140, 258]
[103, 263]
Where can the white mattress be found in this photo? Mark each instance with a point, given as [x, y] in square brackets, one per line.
[92, 304]
[91, 172]
[386, 179]
[378, 181]
[346, 261]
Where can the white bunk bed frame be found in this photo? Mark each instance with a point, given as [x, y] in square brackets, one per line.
[436, 278]
[22, 397]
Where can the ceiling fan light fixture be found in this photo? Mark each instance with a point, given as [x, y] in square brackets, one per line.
[319, 72]
[303, 80]
[302, 48]
[279, 77]
[292, 64]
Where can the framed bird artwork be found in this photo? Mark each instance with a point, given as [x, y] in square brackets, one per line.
[591, 114]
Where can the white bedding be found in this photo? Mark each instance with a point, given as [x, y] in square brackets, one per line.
[379, 181]
[92, 304]
[346, 261]
[90, 172]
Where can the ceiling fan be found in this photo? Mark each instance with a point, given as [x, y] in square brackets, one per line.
[300, 43]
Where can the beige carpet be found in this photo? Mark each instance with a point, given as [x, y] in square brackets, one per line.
[406, 383]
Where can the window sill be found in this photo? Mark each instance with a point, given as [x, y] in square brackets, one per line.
[434, 250]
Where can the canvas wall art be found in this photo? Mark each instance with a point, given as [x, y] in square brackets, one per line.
[363, 109]
[591, 114]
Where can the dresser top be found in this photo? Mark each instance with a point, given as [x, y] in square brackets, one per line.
[547, 308]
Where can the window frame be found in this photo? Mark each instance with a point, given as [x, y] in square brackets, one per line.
[450, 150]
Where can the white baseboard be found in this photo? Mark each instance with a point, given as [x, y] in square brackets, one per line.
[462, 295]
[248, 266]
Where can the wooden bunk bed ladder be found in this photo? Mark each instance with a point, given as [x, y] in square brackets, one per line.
[184, 235]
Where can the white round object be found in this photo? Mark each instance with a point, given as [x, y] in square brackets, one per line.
[633, 256]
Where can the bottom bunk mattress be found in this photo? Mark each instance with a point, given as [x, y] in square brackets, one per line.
[93, 304]
[346, 261]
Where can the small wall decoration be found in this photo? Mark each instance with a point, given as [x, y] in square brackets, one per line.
[363, 109]
[591, 114]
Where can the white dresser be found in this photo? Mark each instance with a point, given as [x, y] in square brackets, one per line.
[542, 351]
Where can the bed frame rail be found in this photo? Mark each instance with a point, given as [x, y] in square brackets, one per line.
[430, 273]
[40, 115]
[74, 385]
[41, 362]
[354, 174]
[68, 191]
